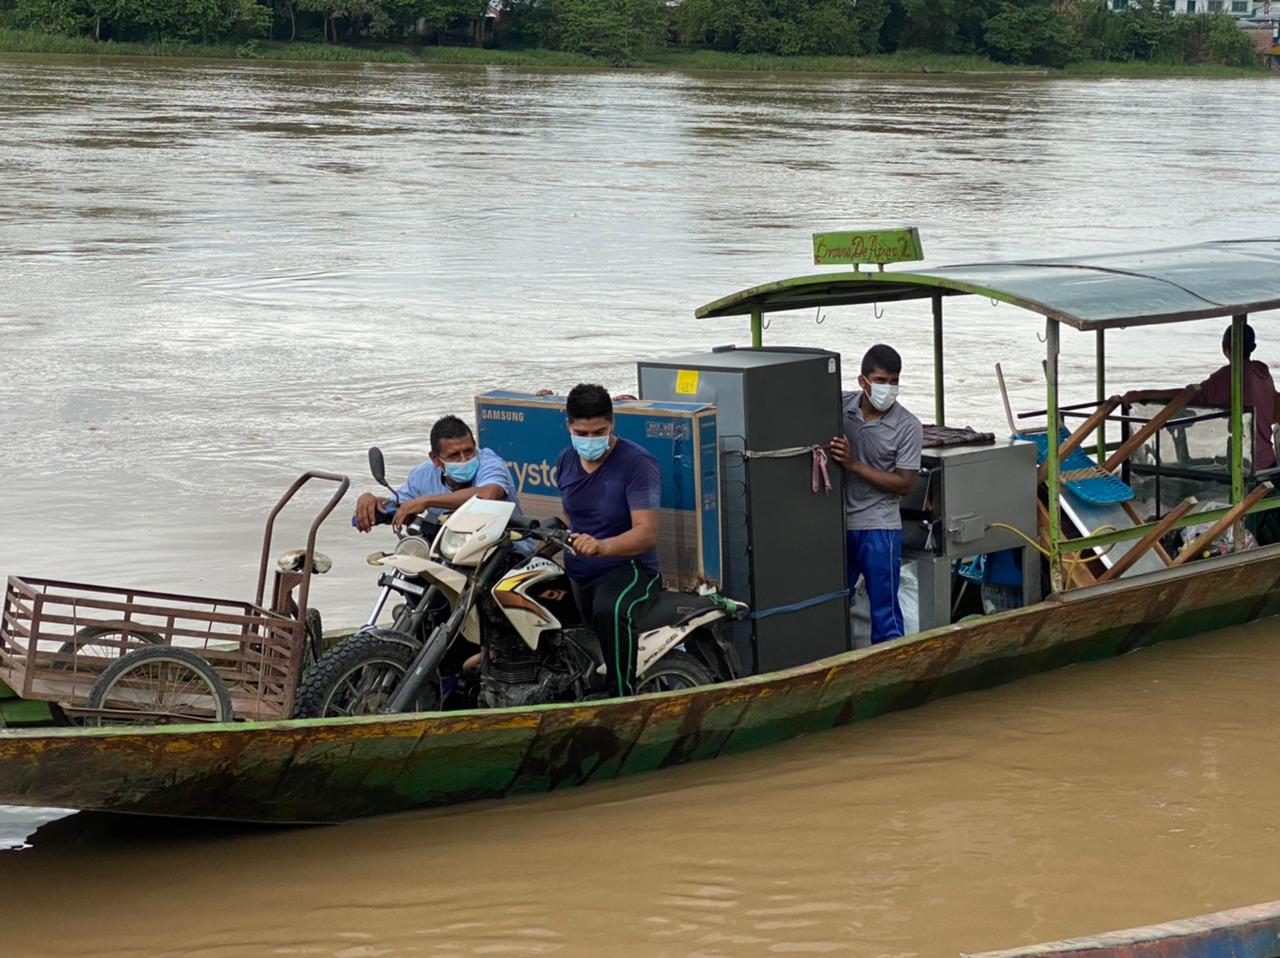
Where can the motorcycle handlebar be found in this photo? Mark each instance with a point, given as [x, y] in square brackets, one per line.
[533, 529]
[381, 517]
[422, 525]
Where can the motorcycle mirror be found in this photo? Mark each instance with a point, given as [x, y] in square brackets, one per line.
[377, 466]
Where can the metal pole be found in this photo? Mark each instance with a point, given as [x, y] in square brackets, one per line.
[939, 406]
[757, 329]
[1051, 479]
[1100, 349]
[1237, 423]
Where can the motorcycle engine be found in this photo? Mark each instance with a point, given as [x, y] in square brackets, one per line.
[513, 675]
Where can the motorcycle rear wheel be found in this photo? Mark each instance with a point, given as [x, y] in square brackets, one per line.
[673, 672]
[358, 677]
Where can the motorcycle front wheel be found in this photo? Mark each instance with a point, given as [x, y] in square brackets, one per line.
[674, 671]
[358, 677]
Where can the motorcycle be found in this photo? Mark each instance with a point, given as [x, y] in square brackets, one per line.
[346, 671]
[519, 610]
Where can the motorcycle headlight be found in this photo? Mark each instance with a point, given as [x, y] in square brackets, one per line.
[414, 546]
[451, 541]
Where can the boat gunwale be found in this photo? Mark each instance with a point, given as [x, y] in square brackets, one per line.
[1224, 933]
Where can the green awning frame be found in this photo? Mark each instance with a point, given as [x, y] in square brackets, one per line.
[1176, 284]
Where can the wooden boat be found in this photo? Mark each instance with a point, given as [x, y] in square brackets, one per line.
[328, 770]
[1249, 932]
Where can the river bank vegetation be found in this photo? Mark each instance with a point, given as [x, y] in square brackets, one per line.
[1078, 36]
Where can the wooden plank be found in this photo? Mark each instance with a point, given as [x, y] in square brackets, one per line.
[1193, 549]
[574, 747]
[27, 585]
[1126, 561]
[13, 625]
[211, 615]
[1079, 574]
[1150, 428]
[1073, 442]
[1137, 520]
[136, 627]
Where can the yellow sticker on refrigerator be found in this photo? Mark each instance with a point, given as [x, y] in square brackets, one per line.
[687, 382]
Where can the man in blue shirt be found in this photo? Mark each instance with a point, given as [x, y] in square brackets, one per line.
[611, 489]
[456, 471]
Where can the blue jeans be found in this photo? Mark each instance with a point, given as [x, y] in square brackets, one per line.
[875, 555]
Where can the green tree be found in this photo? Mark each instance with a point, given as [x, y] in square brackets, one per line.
[181, 20]
[395, 18]
[1036, 34]
[944, 26]
[1104, 35]
[786, 27]
[1148, 30]
[360, 18]
[616, 30]
[70, 17]
[718, 23]
[1215, 38]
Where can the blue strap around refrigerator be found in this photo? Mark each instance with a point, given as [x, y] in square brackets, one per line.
[798, 606]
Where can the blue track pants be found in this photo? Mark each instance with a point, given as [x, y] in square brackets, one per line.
[876, 556]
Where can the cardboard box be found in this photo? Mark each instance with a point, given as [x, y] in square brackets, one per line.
[529, 432]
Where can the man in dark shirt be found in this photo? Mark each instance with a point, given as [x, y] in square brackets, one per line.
[610, 489]
[1259, 395]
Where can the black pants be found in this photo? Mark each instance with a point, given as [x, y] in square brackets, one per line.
[610, 603]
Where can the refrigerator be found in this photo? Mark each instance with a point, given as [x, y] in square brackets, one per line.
[782, 543]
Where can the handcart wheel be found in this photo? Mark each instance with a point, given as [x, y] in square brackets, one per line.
[83, 644]
[164, 683]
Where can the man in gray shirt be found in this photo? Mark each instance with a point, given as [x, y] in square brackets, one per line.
[880, 454]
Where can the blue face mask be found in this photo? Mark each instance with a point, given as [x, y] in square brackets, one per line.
[590, 448]
[463, 472]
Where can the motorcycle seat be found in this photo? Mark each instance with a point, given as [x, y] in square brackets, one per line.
[295, 559]
[672, 608]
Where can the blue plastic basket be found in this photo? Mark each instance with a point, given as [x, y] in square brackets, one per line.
[1099, 489]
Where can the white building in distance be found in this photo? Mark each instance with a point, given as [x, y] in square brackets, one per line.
[1236, 8]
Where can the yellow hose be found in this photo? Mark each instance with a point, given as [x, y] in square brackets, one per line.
[1073, 563]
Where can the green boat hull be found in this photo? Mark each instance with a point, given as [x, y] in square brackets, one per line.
[329, 770]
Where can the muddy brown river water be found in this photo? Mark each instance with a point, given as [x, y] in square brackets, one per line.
[216, 275]
[1103, 796]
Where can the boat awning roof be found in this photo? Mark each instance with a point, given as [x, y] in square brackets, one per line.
[1170, 285]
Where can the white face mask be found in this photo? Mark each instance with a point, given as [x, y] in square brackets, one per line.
[883, 395]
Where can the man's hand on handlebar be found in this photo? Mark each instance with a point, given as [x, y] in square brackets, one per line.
[586, 545]
[366, 516]
[407, 511]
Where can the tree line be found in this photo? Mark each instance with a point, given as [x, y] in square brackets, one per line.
[1035, 32]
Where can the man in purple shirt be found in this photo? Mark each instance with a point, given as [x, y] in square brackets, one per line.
[1259, 396]
[611, 489]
